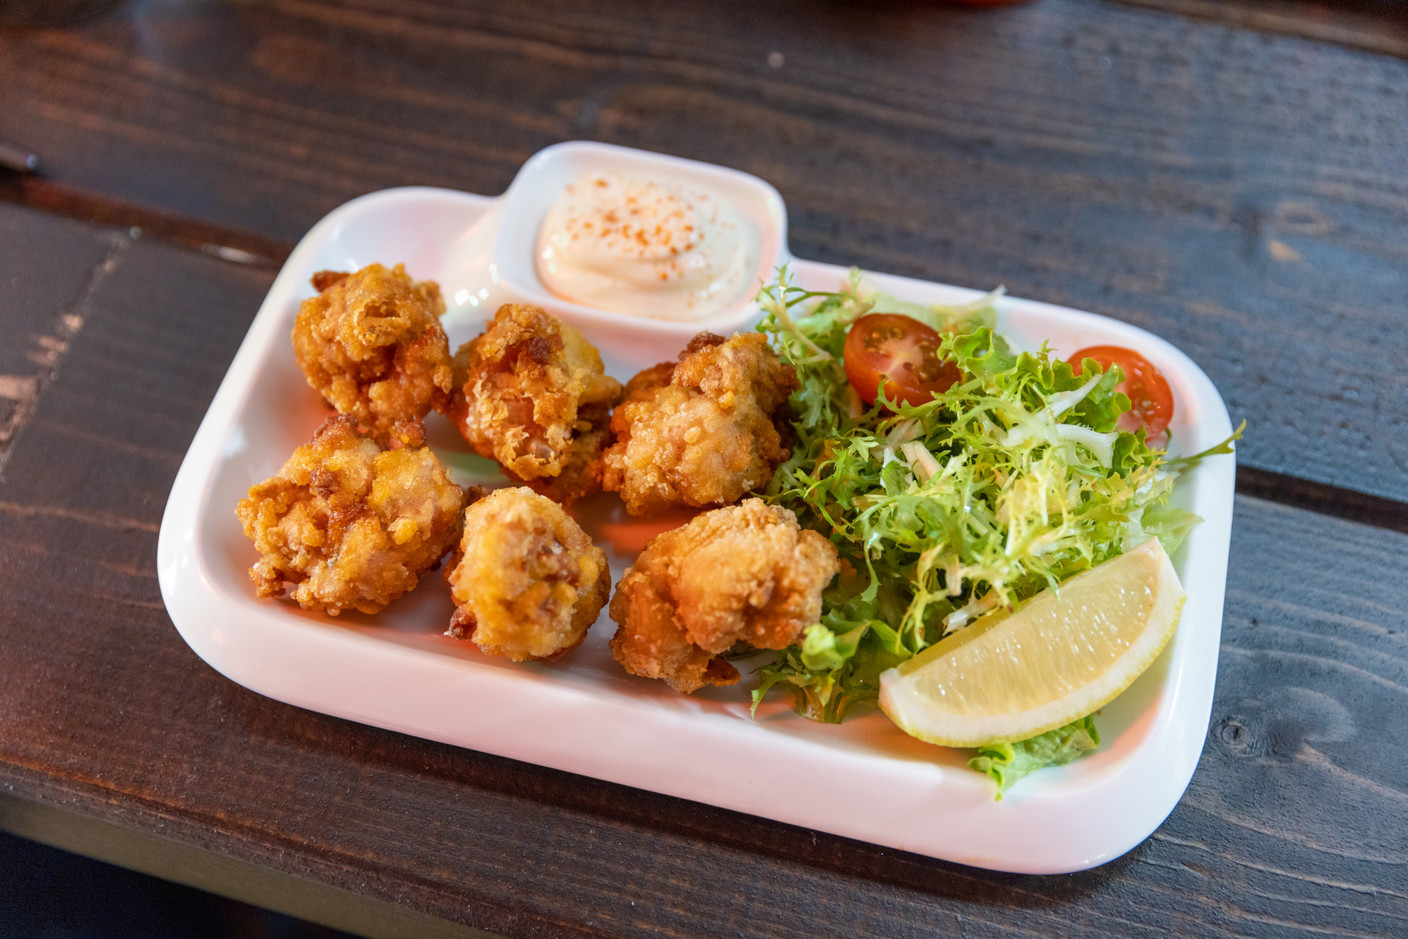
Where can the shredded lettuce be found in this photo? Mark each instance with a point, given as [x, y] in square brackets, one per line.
[1013, 480]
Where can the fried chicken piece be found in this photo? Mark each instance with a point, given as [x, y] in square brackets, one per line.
[704, 431]
[372, 345]
[533, 394]
[527, 580]
[347, 524]
[741, 574]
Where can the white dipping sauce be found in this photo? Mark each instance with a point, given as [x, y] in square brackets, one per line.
[646, 248]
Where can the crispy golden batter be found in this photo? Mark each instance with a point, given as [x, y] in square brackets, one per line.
[348, 525]
[702, 432]
[372, 345]
[745, 573]
[527, 581]
[532, 394]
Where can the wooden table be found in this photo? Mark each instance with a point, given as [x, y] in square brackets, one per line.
[1231, 176]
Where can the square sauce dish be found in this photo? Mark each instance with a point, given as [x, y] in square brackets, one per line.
[641, 251]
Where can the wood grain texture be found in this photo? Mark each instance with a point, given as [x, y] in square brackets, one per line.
[236, 246]
[1240, 193]
[1373, 25]
[49, 267]
[1294, 823]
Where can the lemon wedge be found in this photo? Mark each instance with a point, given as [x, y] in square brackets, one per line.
[1064, 655]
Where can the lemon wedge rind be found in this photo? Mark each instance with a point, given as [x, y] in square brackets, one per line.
[1064, 655]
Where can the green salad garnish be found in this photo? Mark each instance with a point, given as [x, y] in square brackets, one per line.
[1009, 482]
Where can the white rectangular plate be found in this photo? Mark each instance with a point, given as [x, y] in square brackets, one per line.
[863, 779]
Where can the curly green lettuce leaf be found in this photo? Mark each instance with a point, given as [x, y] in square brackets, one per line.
[1013, 480]
[1008, 762]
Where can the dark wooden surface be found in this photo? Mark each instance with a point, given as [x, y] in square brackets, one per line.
[1233, 177]
[1239, 192]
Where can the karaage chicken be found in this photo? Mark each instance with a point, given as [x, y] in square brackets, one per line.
[372, 345]
[347, 524]
[741, 574]
[527, 581]
[533, 394]
[704, 431]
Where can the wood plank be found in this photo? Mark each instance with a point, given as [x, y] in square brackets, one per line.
[1294, 823]
[240, 247]
[48, 267]
[1241, 194]
[1372, 25]
[152, 854]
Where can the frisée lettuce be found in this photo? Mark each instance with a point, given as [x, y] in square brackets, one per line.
[1011, 481]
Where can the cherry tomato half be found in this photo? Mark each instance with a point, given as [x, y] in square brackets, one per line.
[1150, 397]
[900, 351]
